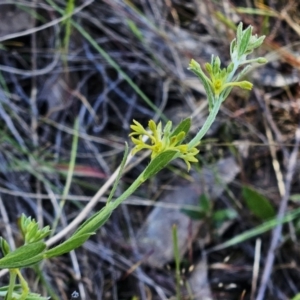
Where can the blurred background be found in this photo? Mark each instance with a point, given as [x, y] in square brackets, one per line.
[108, 62]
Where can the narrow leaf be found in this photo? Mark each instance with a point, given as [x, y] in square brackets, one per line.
[296, 297]
[122, 166]
[258, 42]
[67, 246]
[258, 204]
[135, 29]
[13, 264]
[205, 81]
[28, 250]
[205, 203]
[4, 246]
[195, 214]
[24, 256]
[244, 42]
[266, 226]
[184, 126]
[232, 48]
[95, 221]
[158, 163]
[239, 32]
[222, 215]
[295, 197]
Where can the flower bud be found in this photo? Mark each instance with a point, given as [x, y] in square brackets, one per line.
[261, 60]
[246, 85]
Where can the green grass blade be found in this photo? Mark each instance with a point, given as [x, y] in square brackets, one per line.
[122, 166]
[69, 175]
[258, 230]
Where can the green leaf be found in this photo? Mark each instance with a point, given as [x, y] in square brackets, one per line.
[32, 231]
[296, 297]
[67, 246]
[158, 163]
[199, 213]
[17, 292]
[216, 65]
[204, 203]
[232, 48]
[24, 256]
[239, 32]
[13, 262]
[257, 42]
[122, 166]
[260, 229]
[135, 30]
[184, 126]
[244, 42]
[95, 221]
[295, 197]
[33, 296]
[195, 214]
[224, 214]
[4, 246]
[195, 67]
[258, 204]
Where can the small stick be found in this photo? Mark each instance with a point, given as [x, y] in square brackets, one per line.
[255, 268]
[277, 231]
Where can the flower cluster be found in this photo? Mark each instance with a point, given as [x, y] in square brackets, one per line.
[220, 81]
[219, 77]
[162, 140]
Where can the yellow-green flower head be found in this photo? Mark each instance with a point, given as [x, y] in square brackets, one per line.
[161, 140]
[218, 77]
[217, 81]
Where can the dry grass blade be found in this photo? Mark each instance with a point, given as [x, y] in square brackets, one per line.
[282, 209]
[44, 88]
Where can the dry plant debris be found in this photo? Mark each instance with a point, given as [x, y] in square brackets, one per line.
[43, 89]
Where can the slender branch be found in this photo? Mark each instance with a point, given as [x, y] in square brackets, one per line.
[12, 282]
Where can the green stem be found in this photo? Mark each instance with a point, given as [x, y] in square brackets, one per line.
[24, 285]
[128, 192]
[69, 177]
[209, 121]
[213, 113]
[12, 282]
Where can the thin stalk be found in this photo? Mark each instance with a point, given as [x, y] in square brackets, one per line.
[209, 121]
[128, 192]
[213, 113]
[24, 285]
[69, 175]
[177, 261]
[12, 282]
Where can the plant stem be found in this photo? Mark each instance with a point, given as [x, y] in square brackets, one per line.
[24, 285]
[139, 180]
[209, 121]
[12, 282]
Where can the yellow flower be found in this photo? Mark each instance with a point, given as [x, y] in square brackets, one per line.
[218, 78]
[217, 81]
[161, 140]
